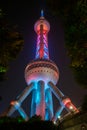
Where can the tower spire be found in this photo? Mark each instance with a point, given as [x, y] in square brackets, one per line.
[42, 13]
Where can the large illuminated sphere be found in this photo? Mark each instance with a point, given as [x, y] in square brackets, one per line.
[44, 22]
[42, 69]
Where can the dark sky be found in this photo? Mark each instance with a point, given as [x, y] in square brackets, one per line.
[25, 14]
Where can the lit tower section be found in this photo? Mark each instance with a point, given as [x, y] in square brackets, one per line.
[42, 28]
[41, 76]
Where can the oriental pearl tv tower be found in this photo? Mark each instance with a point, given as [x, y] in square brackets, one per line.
[41, 76]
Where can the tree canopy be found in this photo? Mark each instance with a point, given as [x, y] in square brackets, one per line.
[11, 43]
[34, 123]
[73, 14]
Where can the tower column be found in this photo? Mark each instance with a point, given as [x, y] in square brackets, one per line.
[40, 105]
[33, 102]
[49, 104]
[58, 112]
[14, 105]
[25, 93]
[56, 91]
[22, 113]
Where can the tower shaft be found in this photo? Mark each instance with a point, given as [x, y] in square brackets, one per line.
[42, 28]
[40, 102]
[42, 44]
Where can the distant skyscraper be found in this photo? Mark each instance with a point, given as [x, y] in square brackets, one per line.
[41, 76]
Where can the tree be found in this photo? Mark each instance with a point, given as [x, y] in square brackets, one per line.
[11, 43]
[35, 118]
[73, 14]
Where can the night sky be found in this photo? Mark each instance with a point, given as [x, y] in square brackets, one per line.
[25, 14]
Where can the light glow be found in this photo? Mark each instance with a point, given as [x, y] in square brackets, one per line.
[71, 107]
[59, 117]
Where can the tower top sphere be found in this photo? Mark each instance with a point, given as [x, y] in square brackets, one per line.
[42, 21]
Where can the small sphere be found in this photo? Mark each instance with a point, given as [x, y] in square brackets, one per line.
[44, 22]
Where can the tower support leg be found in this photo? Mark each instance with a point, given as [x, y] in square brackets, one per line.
[23, 114]
[58, 112]
[65, 102]
[25, 93]
[33, 102]
[14, 105]
[40, 105]
[10, 111]
[56, 91]
[49, 104]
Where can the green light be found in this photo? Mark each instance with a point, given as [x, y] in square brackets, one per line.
[2, 69]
